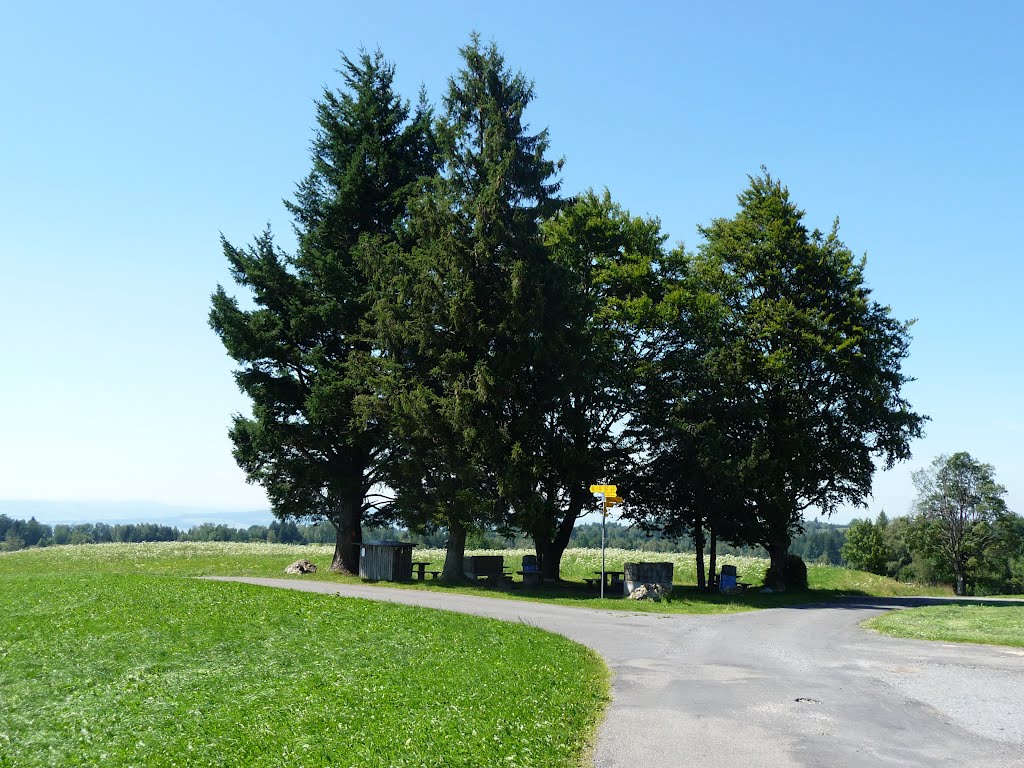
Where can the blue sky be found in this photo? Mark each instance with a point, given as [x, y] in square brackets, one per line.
[132, 134]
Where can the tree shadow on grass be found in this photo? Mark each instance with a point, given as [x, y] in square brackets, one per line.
[576, 593]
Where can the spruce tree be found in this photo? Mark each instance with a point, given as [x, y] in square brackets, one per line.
[316, 440]
[460, 313]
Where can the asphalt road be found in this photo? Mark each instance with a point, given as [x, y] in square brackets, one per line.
[801, 686]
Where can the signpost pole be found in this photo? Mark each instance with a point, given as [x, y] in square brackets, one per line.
[607, 494]
[604, 521]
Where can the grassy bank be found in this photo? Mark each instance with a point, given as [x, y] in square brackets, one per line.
[104, 669]
[959, 623]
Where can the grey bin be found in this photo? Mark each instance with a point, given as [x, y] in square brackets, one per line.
[385, 561]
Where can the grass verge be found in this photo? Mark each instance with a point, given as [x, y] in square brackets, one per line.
[104, 669]
[956, 623]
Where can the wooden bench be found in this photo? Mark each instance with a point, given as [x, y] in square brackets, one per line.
[483, 566]
[488, 567]
[434, 574]
[592, 583]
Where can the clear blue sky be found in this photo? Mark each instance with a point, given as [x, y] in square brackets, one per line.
[133, 134]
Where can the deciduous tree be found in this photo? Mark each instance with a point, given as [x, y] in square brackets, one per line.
[960, 511]
[864, 548]
[808, 366]
[593, 343]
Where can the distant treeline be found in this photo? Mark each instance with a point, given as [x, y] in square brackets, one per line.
[820, 542]
[19, 534]
[916, 548]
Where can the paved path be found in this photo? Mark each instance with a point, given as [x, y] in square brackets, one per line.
[801, 686]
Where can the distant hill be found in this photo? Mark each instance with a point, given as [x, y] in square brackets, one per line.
[115, 512]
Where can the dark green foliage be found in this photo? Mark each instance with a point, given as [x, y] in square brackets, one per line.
[452, 330]
[819, 542]
[684, 484]
[606, 262]
[460, 312]
[18, 534]
[804, 367]
[796, 572]
[316, 440]
[41, 535]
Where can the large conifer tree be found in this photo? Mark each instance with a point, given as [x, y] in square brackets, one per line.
[316, 440]
[805, 367]
[461, 312]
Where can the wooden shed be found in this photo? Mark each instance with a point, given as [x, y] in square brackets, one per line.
[385, 561]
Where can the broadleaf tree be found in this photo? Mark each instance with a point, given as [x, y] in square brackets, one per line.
[809, 365]
[316, 439]
[864, 547]
[960, 513]
[594, 343]
[686, 421]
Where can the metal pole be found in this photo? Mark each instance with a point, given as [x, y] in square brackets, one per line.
[604, 520]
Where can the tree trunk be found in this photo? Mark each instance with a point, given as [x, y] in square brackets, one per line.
[347, 523]
[550, 548]
[698, 546]
[778, 549]
[453, 571]
[712, 559]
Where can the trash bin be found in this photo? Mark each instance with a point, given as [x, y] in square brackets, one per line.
[531, 571]
[727, 579]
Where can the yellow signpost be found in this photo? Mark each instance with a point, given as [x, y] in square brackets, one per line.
[608, 500]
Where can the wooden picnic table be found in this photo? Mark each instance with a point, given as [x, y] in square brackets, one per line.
[612, 578]
[419, 569]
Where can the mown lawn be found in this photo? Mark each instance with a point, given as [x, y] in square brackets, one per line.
[142, 670]
[958, 623]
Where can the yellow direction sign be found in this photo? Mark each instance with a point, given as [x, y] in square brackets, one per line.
[612, 500]
[607, 490]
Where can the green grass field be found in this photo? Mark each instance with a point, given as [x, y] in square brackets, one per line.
[959, 623]
[144, 670]
[108, 656]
